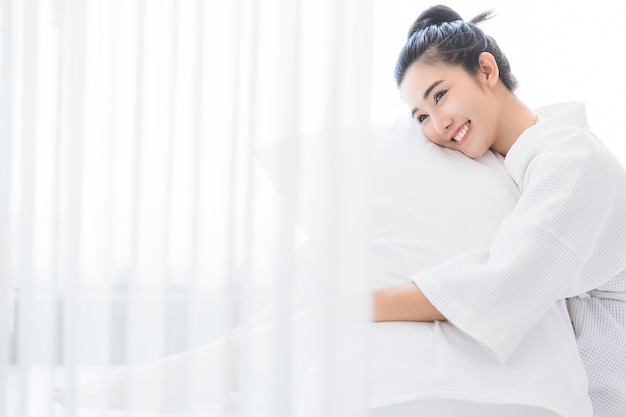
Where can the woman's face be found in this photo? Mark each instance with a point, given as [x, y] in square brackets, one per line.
[456, 110]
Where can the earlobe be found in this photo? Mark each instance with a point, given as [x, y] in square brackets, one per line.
[488, 69]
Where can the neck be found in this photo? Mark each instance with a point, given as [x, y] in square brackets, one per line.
[515, 118]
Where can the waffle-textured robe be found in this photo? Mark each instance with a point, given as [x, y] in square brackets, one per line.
[565, 239]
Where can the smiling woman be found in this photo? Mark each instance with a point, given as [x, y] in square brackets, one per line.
[545, 51]
[548, 248]
[450, 119]
[140, 219]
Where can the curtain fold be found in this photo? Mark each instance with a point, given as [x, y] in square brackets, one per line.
[6, 120]
[182, 207]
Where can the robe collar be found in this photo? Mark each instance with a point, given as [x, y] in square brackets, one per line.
[537, 137]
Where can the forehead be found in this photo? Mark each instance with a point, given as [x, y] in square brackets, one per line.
[420, 76]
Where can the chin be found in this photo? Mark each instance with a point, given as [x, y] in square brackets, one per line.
[474, 153]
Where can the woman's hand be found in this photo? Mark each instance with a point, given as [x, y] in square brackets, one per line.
[404, 302]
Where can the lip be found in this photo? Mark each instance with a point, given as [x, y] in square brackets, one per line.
[469, 129]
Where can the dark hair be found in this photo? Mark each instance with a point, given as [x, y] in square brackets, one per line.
[439, 34]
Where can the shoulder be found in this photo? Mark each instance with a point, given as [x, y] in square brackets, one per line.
[561, 144]
[541, 138]
[564, 155]
[567, 143]
[564, 133]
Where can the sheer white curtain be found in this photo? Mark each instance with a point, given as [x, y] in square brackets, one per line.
[185, 176]
[176, 177]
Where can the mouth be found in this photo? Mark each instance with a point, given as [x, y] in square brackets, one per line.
[461, 135]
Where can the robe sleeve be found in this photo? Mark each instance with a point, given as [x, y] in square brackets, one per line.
[555, 244]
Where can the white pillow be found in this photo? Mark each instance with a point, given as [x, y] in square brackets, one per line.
[429, 204]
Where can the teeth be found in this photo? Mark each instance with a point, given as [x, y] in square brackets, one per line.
[459, 137]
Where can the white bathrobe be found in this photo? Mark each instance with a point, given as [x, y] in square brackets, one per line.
[566, 238]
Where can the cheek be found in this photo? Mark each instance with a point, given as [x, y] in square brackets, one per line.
[433, 136]
[430, 132]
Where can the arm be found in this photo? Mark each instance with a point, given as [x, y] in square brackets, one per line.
[562, 239]
[404, 303]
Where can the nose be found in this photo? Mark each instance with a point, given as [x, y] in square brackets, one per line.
[441, 123]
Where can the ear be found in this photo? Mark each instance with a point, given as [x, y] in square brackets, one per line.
[488, 72]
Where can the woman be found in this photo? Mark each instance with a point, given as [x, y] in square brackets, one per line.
[566, 237]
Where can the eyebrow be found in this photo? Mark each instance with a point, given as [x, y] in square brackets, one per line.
[426, 94]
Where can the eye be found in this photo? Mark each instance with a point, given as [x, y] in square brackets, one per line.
[421, 117]
[439, 95]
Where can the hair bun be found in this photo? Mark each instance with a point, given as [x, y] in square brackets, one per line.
[434, 16]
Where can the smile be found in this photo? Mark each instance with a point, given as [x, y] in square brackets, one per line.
[461, 134]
